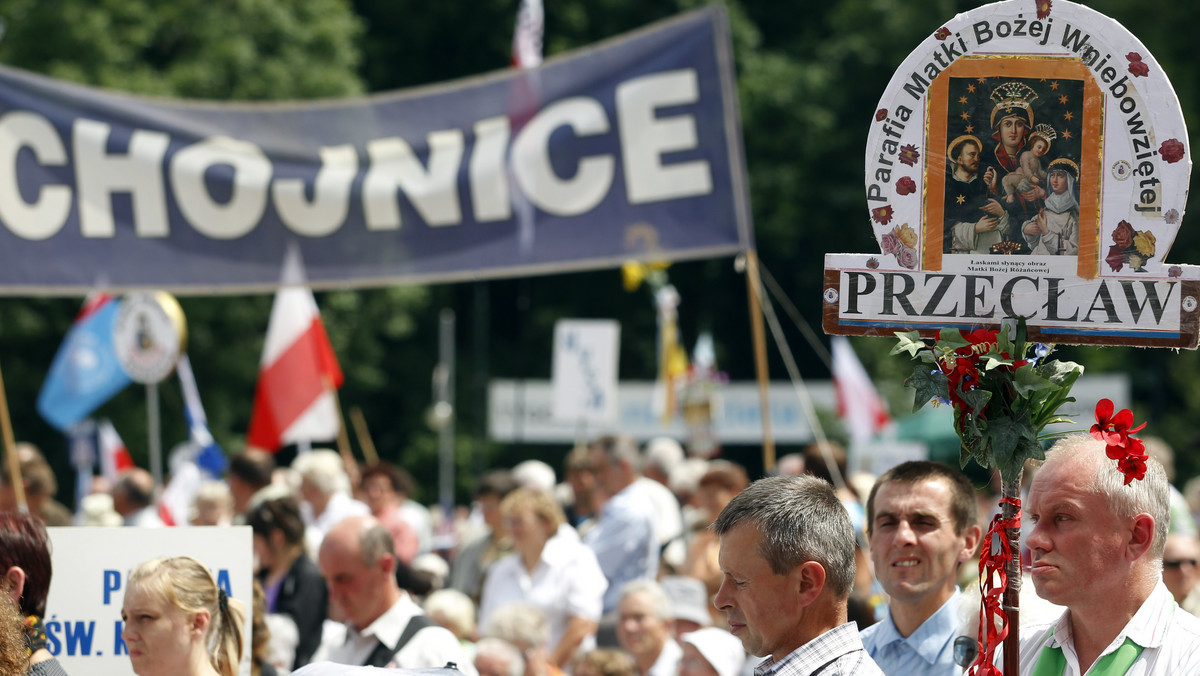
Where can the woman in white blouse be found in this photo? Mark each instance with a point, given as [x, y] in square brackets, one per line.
[550, 571]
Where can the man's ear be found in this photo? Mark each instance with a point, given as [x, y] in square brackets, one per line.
[1141, 536]
[809, 578]
[14, 580]
[971, 538]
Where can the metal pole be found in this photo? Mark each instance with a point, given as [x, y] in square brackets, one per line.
[152, 426]
[446, 404]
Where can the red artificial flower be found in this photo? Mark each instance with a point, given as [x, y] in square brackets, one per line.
[1139, 68]
[1116, 257]
[1171, 150]
[882, 215]
[909, 154]
[1043, 8]
[906, 186]
[1123, 235]
[1133, 467]
[942, 33]
[881, 115]
[1113, 429]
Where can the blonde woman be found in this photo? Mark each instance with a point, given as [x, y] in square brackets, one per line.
[554, 573]
[178, 622]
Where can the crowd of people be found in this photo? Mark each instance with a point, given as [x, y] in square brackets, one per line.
[640, 562]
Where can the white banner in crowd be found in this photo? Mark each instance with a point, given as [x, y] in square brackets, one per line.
[91, 566]
[585, 370]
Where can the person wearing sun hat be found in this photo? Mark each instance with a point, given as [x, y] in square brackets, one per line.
[711, 652]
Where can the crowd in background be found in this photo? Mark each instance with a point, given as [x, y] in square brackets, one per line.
[608, 568]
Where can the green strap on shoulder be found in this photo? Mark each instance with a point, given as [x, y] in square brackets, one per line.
[1052, 661]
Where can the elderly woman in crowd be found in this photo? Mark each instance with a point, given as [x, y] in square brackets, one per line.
[557, 575]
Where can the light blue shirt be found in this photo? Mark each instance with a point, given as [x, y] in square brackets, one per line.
[624, 542]
[930, 649]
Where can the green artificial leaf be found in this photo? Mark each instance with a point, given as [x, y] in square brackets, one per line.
[1004, 343]
[1062, 373]
[1027, 381]
[928, 383]
[993, 360]
[976, 398]
[1021, 341]
[909, 342]
[952, 339]
[1004, 434]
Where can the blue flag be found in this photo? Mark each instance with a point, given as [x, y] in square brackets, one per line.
[85, 372]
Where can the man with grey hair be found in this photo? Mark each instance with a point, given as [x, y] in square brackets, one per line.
[325, 494]
[624, 538]
[384, 626]
[1097, 548]
[787, 561]
[645, 628]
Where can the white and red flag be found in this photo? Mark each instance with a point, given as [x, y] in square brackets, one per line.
[858, 403]
[527, 38]
[114, 457]
[298, 373]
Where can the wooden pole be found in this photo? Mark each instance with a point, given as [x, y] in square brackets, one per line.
[10, 450]
[363, 435]
[754, 289]
[343, 439]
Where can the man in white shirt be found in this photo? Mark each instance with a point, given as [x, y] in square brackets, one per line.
[922, 525]
[645, 628]
[624, 539]
[385, 628]
[1097, 546]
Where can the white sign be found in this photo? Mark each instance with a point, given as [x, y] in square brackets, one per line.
[1024, 161]
[91, 566]
[585, 370]
[523, 411]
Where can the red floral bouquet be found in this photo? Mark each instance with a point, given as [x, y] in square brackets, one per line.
[1003, 389]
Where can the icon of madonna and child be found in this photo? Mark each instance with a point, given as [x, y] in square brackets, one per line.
[1016, 193]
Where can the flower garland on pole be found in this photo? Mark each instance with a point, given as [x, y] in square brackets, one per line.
[1004, 392]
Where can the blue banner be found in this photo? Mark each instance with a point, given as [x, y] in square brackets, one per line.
[628, 149]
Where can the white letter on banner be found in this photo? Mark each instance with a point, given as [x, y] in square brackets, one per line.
[489, 180]
[45, 217]
[644, 138]
[139, 172]
[433, 193]
[534, 172]
[251, 174]
[331, 194]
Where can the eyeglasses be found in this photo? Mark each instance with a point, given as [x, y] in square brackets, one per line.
[966, 649]
[1178, 563]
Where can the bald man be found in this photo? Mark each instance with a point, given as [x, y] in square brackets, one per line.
[384, 627]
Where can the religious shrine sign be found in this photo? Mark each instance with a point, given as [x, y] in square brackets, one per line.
[1026, 160]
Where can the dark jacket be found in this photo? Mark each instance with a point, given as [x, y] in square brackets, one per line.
[303, 597]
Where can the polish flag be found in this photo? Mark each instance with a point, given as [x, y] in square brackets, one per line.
[858, 404]
[114, 457]
[297, 375]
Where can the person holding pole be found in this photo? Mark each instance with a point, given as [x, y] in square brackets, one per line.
[1097, 546]
[922, 525]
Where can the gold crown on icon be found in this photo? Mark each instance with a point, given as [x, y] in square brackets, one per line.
[1013, 98]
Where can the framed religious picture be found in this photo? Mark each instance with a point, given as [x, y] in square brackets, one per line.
[1026, 160]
